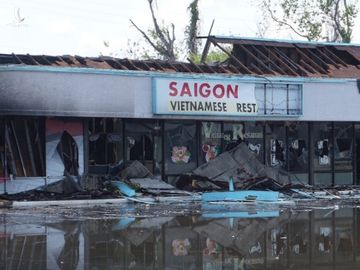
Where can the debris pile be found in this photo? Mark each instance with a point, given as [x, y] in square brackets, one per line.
[242, 166]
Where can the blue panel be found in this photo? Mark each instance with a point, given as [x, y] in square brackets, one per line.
[244, 195]
[124, 188]
[261, 214]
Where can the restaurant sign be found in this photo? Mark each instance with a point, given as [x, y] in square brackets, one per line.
[203, 97]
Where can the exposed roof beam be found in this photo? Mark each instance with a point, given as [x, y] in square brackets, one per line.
[132, 64]
[258, 51]
[335, 56]
[17, 58]
[256, 58]
[33, 60]
[281, 61]
[290, 62]
[195, 66]
[207, 45]
[184, 66]
[43, 57]
[234, 58]
[311, 61]
[121, 65]
[308, 66]
[318, 50]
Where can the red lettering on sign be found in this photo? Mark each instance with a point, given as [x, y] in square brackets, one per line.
[185, 90]
[221, 93]
[173, 90]
[233, 91]
[205, 92]
[203, 89]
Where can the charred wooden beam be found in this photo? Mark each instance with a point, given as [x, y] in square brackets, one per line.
[18, 147]
[8, 148]
[40, 148]
[30, 148]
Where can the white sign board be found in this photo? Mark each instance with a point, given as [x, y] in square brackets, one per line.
[203, 97]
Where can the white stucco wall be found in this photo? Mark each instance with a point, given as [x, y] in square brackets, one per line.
[80, 93]
[331, 102]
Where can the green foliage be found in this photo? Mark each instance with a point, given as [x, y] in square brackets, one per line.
[330, 20]
[214, 56]
[192, 29]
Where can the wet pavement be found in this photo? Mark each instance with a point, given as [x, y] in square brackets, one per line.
[321, 235]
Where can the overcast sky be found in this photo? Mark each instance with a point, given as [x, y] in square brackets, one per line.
[58, 27]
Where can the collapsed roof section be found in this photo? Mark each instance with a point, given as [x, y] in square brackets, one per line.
[288, 58]
[256, 57]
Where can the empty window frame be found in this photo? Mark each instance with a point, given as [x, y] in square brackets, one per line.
[279, 99]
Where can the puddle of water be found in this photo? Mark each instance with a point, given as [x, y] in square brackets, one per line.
[193, 237]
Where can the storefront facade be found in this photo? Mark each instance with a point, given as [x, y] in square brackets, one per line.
[173, 123]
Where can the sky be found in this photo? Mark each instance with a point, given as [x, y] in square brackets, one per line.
[83, 27]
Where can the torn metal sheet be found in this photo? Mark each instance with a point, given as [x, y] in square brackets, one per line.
[156, 186]
[136, 170]
[151, 183]
[241, 164]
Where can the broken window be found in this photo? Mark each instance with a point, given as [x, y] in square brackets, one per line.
[105, 141]
[233, 135]
[275, 145]
[254, 138]
[322, 139]
[343, 153]
[210, 141]
[64, 147]
[180, 147]
[22, 147]
[143, 143]
[279, 99]
[298, 151]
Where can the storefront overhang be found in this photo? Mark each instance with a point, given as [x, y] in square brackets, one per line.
[91, 92]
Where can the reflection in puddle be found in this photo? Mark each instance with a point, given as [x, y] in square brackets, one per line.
[317, 239]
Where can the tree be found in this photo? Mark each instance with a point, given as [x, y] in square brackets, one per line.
[160, 38]
[192, 30]
[329, 20]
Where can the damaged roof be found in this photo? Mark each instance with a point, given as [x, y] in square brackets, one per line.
[247, 56]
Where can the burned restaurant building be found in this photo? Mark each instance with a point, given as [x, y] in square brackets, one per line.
[295, 104]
